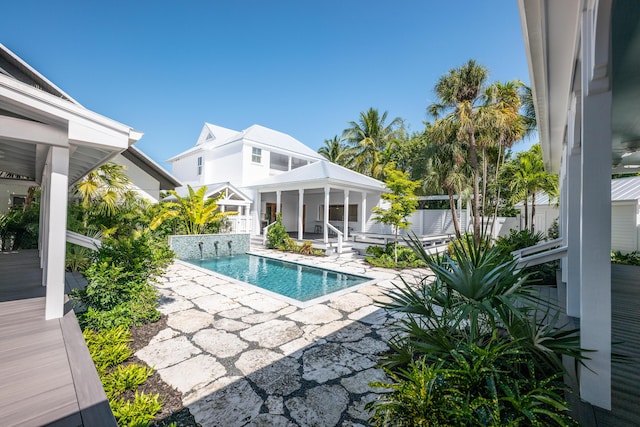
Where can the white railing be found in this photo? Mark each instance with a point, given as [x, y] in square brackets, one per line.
[84, 241]
[239, 223]
[339, 234]
[541, 253]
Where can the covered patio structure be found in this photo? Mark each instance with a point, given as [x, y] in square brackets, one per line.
[49, 139]
[321, 199]
[583, 60]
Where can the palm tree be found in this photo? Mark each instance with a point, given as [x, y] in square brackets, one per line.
[335, 151]
[369, 138]
[106, 188]
[195, 211]
[445, 169]
[460, 94]
[527, 177]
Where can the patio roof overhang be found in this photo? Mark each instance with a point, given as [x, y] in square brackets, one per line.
[318, 175]
[551, 31]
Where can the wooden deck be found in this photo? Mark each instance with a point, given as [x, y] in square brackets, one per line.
[47, 376]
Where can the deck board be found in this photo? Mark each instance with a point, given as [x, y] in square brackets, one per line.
[47, 376]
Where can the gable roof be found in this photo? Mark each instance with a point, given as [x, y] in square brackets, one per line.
[259, 135]
[13, 66]
[213, 189]
[322, 172]
[214, 135]
[273, 138]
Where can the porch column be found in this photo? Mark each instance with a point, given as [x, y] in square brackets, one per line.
[595, 210]
[345, 216]
[257, 212]
[300, 211]
[278, 198]
[363, 220]
[42, 242]
[573, 230]
[325, 228]
[55, 238]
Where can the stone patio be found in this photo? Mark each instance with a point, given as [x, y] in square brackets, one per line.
[244, 358]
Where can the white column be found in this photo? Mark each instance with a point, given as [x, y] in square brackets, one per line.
[363, 219]
[300, 211]
[58, 186]
[278, 201]
[326, 213]
[595, 216]
[345, 219]
[42, 241]
[574, 197]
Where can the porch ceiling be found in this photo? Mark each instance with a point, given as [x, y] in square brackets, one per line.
[551, 32]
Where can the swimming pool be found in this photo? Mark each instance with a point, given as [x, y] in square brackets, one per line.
[292, 280]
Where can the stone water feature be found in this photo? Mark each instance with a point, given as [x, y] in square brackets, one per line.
[202, 246]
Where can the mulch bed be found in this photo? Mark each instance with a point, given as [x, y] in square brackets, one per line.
[172, 410]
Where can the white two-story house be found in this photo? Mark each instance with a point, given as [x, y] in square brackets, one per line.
[263, 172]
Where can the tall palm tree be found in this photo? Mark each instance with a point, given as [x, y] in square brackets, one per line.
[445, 170]
[460, 94]
[335, 150]
[369, 137]
[527, 178]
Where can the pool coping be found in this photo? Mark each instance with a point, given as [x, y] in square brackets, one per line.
[289, 300]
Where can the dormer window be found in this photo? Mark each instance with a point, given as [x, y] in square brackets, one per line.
[199, 165]
[256, 155]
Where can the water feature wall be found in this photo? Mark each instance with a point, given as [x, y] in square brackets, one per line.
[202, 246]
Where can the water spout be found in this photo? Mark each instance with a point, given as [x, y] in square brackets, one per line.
[215, 244]
[200, 245]
[230, 250]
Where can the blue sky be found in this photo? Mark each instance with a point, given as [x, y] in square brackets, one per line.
[302, 67]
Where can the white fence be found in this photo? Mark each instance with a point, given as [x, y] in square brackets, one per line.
[428, 222]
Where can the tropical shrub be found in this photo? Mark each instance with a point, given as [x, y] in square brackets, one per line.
[198, 215]
[139, 412]
[632, 258]
[109, 349]
[19, 227]
[384, 256]
[475, 346]
[277, 234]
[119, 292]
[543, 274]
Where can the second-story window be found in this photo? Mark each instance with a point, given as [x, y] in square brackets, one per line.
[199, 165]
[256, 155]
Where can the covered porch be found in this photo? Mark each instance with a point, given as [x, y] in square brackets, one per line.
[322, 202]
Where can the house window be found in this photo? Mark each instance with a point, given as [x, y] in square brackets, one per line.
[256, 155]
[336, 213]
[17, 201]
[296, 163]
[199, 165]
[279, 162]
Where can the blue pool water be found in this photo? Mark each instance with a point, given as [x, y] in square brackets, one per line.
[297, 281]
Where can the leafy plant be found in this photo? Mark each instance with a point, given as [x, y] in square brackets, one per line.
[125, 377]
[475, 345]
[384, 257]
[77, 258]
[402, 203]
[108, 348]
[138, 413]
[198, 214]
[543, 274]
[277, 234]
[631, 258]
